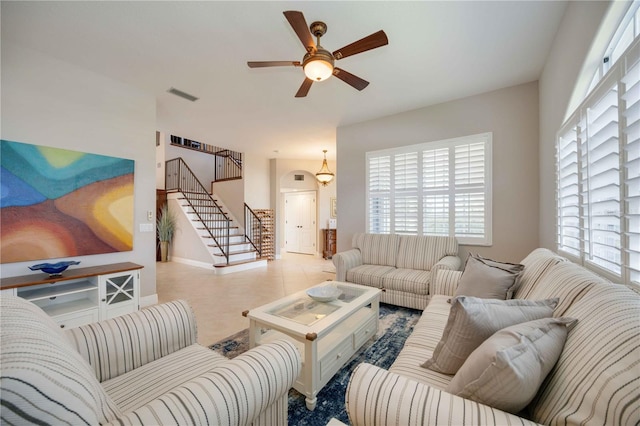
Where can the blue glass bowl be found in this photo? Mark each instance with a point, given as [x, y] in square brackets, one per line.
[54, 269]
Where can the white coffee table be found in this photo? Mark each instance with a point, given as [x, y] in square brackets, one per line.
[326, 333]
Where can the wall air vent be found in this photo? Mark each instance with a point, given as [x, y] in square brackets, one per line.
[182, 94]
[298, 177]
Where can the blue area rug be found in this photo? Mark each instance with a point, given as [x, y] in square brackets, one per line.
[396, 324]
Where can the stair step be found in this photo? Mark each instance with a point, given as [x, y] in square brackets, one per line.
[240, 243]
[213, 229]
[236, 252]
[222, 237]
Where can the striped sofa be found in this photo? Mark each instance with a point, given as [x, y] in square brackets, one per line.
[141, 368]
[401, 265]
[596, 380]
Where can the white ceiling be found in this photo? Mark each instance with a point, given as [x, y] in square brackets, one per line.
[438, 51]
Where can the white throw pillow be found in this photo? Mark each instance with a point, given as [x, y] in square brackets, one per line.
[473, 320]
[488, 278]
[506, 370]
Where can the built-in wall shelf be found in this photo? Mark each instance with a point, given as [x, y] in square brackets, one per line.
[47, 291]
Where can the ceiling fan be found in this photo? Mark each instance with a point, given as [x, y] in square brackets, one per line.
[318, 62]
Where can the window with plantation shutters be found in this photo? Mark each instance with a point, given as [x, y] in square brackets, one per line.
[598, 182]
[436, 188]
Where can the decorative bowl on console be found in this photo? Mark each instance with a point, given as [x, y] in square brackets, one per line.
[54, 269]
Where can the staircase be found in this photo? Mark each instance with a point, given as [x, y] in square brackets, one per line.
[231, 248]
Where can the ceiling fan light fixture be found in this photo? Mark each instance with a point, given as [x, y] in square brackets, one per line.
[324, 176]
[318, 66]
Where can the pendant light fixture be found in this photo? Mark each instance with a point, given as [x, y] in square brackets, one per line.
[324, 176]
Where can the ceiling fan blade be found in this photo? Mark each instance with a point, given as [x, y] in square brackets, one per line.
[262, 64]
[299, 25]
[304, 89]
[369, 42]
[352, 80]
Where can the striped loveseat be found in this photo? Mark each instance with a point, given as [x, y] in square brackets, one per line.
[141, 368]
[401, 265]
[596, 380]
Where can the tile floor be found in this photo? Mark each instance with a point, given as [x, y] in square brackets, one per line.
[218, 300]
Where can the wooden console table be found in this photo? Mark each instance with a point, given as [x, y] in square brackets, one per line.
[329, 248]
[81, 295]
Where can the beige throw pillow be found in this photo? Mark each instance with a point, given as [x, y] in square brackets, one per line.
[506, 370]
[473, 320]
[488, 278]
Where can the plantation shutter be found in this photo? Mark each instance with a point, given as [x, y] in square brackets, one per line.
[379, 175]
[601, 171]
[469, 181]
[405, 196]
[435, 183]
[569, 235]
[631, 160]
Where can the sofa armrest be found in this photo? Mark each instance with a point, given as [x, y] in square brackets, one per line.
[379, 397]
[118, 345]
[450, 263]
[346, 260]
[251, 388]
[445, 282]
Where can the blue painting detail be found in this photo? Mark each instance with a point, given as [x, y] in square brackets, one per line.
[27, 162]
[16, 192]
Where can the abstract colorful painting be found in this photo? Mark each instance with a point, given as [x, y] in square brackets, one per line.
[60, 203]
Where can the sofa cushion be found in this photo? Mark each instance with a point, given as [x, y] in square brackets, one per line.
[43, 377]
[488, 278]
[422, 252]
[377, 249]
[422, 342]
[407, 280]
[371, 275]
[507, 369]
[144, 384]
[567, 281]
[472, 320]
[536, 265]
[597, 377]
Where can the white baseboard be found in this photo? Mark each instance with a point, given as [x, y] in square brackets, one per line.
[148, 300]
[191, 262]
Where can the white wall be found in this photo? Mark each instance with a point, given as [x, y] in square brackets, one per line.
[187, 244]
[255, 173]
[202, 165]
[578, 29]
[511, 114]
[231, 194]
[52, 103]
[160, 162]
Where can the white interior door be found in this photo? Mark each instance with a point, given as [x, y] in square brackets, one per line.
[300, 222]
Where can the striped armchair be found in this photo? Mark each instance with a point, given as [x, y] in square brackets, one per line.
[141, 368]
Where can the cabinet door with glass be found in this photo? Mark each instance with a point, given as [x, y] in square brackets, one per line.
[119, 293]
